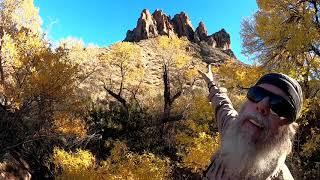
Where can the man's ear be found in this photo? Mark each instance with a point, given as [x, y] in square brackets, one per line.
[293, 127]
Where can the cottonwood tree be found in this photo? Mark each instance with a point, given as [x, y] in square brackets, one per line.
[86, 58]
[17, 18]
[178, 70]
[125, 72]
[36, 82]
[284, 35]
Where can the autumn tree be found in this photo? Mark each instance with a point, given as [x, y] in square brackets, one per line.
[285, 35]
[17, 17]
[125, 72]
[178, 70]
[90, 68]
[121, 164]
[38, 84]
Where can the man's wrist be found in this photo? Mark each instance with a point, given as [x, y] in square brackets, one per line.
[211, 84]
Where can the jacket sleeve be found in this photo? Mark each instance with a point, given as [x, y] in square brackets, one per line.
[224, 111]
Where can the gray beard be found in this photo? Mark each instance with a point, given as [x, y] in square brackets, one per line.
[246, 159]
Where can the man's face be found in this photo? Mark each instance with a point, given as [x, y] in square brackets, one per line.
[259, 140]
[252, 126]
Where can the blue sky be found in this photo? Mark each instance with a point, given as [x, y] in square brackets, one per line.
[104, 22]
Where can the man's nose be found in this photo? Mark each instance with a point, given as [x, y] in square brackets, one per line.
[263, 106]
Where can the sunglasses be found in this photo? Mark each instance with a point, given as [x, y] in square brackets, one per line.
[278, 104]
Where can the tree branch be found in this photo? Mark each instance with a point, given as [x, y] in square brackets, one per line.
[118, 97]
[178, 94]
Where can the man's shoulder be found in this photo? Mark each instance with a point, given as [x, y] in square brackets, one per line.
[283, 174]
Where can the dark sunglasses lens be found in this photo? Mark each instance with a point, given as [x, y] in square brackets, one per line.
[282, 108]
[255, 95]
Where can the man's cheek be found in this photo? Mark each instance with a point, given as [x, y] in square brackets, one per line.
[248, 107]
[275, 122]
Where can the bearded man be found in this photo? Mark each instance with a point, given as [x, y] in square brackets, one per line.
[255, 141]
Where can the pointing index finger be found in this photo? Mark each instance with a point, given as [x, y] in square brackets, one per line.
[209, 68]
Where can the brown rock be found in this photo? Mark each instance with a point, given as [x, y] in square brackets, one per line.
[146, 28]
[201, 33]
[222, 39]
[163, 23]
[182, 26]
[211, 42]
[157, 24]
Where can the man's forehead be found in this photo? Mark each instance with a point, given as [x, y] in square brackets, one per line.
[274, 89]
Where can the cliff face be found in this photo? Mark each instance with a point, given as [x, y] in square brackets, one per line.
[157, 24]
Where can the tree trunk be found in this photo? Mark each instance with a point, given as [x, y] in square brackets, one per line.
[121, 100]
[166, 94]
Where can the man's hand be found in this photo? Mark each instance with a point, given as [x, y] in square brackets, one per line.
[208, 77]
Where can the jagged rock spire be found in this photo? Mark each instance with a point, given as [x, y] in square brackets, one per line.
[182, 25]
[157, 24]
[164, 26]
[201, 33]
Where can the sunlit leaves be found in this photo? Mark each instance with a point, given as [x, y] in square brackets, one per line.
[70, 125]
[78, 165]
[235, 74]
[200, 151]
[124, 63]
[9, 51]
[122, 164]
[172, 51]
[18, 14]
[281, 31]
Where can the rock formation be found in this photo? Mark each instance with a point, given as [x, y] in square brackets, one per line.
[222, 39]
[201, 33]
[146, 28]
[164, 26]
[157, 24]
[182, 26]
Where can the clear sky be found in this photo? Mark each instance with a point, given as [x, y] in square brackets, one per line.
[104, 22]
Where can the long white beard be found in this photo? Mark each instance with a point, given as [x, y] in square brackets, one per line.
[242, 157]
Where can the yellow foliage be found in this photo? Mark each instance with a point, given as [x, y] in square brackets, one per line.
[122, 164]
[172, 43]
[124, 63]
[181, 65]
[200, 108]
[173, 51]
[20, 14]
[238, 98]
[239, 75]
[284, 36]
[78, 165]
[198, 153]
[9, 51]
[67, 124]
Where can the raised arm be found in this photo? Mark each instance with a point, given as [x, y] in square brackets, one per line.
[224, 111]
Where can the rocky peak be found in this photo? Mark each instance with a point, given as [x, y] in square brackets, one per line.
[182, 25]
[222, 39]
[146, 28]
[164, 26]
[201, 33]
[157, 24]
